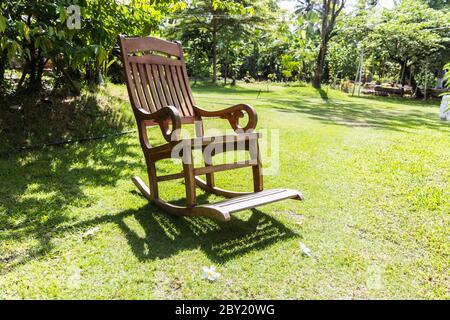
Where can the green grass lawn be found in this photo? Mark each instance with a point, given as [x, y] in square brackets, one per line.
[374, 171]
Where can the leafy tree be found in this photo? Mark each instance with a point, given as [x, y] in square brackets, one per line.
[246, 38]
[327, 11]
[305, 43]
[196, 49]
[345, 47]
[103, 20]
[269, 41]
[411, 35]
[35, 32]
[342, 60]
[211, 17]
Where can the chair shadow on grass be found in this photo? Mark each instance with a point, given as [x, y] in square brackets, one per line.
[167, 235]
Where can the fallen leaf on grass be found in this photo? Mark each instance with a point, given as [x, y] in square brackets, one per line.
[305, 250]
[90, 232]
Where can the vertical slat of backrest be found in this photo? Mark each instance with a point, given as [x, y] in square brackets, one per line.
[165, 86]
[172, 88]
[151, 83]
[175, 89]
[128, 72]
[145, 83]
[131, 86]
[156, 77]
[184, 90]
[178, 91]
[185, 79]
[188, 87]
[138, 86]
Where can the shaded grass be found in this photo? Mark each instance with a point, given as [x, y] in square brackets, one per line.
[43, 118]
[374, 172]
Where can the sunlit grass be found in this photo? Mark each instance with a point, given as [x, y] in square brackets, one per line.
[375, 173]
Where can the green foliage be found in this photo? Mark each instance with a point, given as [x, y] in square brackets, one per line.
[412, 35]
[426, 77]
[398, 43]
[342, 60]
[447, 74]
[217, 25]
[103, 21]
[410, 31]
[35, 32]
[289, 66]
[232, 37]
[226, 38]
[438, 4]
[325, 15]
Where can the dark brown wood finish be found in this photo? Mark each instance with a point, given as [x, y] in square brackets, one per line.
[159, 91]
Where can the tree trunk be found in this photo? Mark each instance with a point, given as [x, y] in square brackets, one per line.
[318, 73]
[403, 67]
[40, 70]
[2, 69]
[23, 76]
[330, 11]
[214, 52]
[32, 70]
[412, 79]
[226, 66]
[98, 76]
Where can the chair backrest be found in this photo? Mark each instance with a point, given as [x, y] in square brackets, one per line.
[156, 75]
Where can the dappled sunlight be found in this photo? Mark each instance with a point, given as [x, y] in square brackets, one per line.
[42, 188]
[166, 236]
[248, 104]
[371, 191]
[354, 114]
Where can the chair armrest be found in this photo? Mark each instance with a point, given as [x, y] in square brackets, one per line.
[162, 118]
[232, 114]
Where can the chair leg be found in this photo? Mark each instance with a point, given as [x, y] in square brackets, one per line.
[153, 184]
[209, 176]
[189, 179]
[206, 157]
[257, 168]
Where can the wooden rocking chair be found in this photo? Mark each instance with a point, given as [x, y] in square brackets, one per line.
[160, 94]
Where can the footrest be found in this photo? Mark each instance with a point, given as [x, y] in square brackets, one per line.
[254, 200]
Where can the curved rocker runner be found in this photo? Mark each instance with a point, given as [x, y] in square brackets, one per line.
[159, 91]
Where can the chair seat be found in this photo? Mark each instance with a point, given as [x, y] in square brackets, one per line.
[254, 200]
